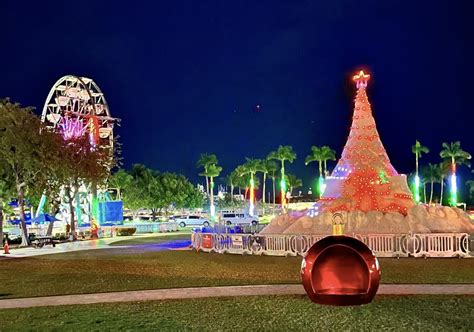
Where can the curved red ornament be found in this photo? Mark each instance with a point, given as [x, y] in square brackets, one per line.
[341, 271]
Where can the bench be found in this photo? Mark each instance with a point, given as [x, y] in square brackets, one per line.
[39, 242]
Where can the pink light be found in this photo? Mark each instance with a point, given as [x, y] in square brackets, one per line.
[71, 128]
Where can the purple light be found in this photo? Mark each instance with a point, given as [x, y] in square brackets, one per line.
[71, 128]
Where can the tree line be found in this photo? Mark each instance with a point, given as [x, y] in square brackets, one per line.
[452, 155]
[244, 176]
[145, 188]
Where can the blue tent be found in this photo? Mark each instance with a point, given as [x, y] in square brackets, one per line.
[17, 221]
[43, 218]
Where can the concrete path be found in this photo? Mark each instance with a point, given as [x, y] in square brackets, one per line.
[76, 246]
[225, 291]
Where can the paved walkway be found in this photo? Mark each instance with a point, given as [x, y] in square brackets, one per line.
[103, 243]
[225, 291]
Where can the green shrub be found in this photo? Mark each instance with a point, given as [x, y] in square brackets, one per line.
[126, 231]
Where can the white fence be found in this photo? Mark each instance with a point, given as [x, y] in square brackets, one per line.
[383, 245]
[440, 245]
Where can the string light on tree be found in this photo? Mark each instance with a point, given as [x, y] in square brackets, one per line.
[252, 196]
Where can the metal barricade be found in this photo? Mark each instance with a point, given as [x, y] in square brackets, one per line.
[383, 245]
[440, 245]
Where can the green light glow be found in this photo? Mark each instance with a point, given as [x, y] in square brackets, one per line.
[321, 186]
[417, 189]
[454, 191]
[383, 177]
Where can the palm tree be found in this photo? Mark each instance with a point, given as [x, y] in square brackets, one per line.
[328, 154]
[272, 168]
[424, 180]
[418, 150]
[443, 173]
[433, 174]
[232, 181]
[457, 156]
[239, 181]
[252, 166]
[211, 172]
[283, 153]
[317, 154]
[264, 168]
[205, 160]
[293, 182]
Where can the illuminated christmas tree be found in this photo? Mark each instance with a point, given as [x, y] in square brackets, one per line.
[364, 178]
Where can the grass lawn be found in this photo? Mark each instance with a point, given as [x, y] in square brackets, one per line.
[165, 237]
[146, 267]
[271, 313]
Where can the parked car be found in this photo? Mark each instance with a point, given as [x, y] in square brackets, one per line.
[191, 220]
[239, 219]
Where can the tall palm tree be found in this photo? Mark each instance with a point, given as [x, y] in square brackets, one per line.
[418, 150]
[457, 156]
[232, 181]
[424, 181]
[433, 175]
[272, 168]
[293, 182]
[251, 167]
[443, 173]
[328, 154]
[283, 153]
[211, 172]
[264, 168]
[205, 160]
[240, 181]
[317, 154]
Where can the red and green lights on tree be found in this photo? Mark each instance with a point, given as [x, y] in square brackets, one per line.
[453, 199]
[283, 191]
[252, 195]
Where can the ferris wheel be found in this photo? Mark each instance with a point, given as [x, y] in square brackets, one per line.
[76, 106]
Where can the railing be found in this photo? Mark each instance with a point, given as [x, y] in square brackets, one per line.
[383, 245]
[386, 245]
[154, 227]
[440, 245]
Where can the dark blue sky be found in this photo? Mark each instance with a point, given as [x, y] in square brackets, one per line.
[185, 76]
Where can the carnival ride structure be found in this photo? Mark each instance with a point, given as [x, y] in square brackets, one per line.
[75, 106]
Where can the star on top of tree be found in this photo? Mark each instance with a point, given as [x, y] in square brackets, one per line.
[361, 79]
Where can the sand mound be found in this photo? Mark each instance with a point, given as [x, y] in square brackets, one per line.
[419, 219]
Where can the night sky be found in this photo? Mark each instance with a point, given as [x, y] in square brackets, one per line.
[186, 77]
